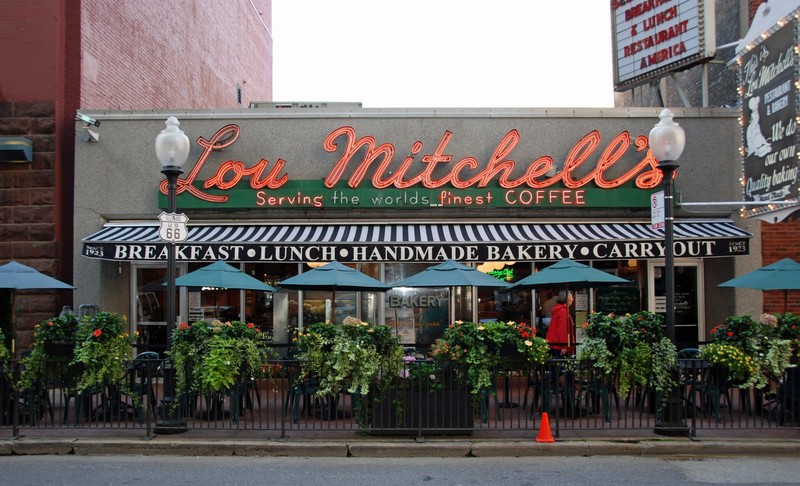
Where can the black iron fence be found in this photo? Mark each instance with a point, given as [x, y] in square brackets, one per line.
[425, 399]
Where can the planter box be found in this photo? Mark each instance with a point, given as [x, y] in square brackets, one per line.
[411, 411]
[63, 351]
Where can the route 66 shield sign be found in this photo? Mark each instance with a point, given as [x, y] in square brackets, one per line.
[173, 227]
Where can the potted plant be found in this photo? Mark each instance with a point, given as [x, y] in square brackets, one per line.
[216, 359]
[479, 348]
[351, 357]
[440, 395]
[189, 345]
[750, 351]
[53, 350]
[630, 350]
[233, 351]
[103, 349]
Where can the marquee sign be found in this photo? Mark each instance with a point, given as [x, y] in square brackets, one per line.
[365, 173]
[653, 37]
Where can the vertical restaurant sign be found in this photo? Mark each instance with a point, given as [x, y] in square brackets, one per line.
[652, 37]
[768, 77]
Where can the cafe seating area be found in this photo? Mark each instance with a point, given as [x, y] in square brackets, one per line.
[280, 401]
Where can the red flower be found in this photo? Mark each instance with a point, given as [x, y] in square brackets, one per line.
[730, 333]
[714, 329]
[97, 333]
[50, 323]
[251, 325]
[183, 326]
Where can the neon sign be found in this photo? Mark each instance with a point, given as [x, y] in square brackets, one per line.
[468, 173]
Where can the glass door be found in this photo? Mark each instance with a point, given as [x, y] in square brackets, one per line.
[689, 298]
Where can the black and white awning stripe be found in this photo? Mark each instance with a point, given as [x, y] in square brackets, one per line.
[108, 243]
[418, 232]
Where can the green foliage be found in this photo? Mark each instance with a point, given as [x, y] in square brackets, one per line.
[750, 336]
[213, 357]
[480, 348]
[741, 368]
[352, 356]
[58, 330]
[423, 375]
[33, 369]
[632, 348]
[788, 327]
[103, 347]
[5, 354]
[749, 350]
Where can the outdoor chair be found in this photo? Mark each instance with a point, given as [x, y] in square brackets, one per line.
[595, 390]
[688, 375]
[143, 373]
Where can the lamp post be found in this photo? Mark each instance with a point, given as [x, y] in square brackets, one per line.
[667, 141]
[172, 150]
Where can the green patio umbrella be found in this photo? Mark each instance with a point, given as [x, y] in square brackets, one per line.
[569, 274]
[16, 276]
[222, 275]
[781, 275]
[451, 274]
[334, 276]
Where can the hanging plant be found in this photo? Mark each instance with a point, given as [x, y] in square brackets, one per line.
[103, 347]
[632, 348]
[352, 357]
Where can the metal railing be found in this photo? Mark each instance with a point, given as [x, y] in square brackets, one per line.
[425, 399]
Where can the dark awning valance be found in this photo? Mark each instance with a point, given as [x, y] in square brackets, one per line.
[427, 242]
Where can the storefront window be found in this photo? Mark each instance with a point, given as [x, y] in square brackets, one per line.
[275, 313]
[502, 305]
[149, 318]
[418, 315]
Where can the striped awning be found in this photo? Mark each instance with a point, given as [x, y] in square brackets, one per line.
[372, 242]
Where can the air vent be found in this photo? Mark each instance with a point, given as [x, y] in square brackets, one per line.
[16, 150]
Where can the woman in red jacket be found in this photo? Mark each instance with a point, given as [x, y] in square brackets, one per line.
[560, 334]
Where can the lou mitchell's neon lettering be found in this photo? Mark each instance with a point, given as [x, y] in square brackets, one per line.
[465, 173]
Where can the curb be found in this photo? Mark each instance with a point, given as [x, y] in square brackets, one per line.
[398, 449]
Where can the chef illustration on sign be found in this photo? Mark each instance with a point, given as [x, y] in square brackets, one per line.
[757, 143]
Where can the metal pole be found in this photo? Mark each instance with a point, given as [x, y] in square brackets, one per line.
[170, 418]
[671, 421]
[667, 168]
[172, 186]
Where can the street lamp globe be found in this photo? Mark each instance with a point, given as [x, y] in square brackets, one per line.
[667, 138]
[172, 146]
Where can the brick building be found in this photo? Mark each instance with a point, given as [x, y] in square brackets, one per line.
[60, 56]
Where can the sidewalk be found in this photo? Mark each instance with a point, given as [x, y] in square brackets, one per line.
[784, 443]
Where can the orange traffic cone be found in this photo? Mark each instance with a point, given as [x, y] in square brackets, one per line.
[544, 430]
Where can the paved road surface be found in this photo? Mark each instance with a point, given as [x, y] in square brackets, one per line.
[581, 471]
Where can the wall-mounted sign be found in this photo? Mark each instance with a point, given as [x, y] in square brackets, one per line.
[653, 37]
[364, 173]
[768, 76]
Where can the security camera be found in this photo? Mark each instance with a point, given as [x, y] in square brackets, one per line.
[92, 135]
[87, 119]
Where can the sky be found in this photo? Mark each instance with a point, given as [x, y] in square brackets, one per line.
[444, 53]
